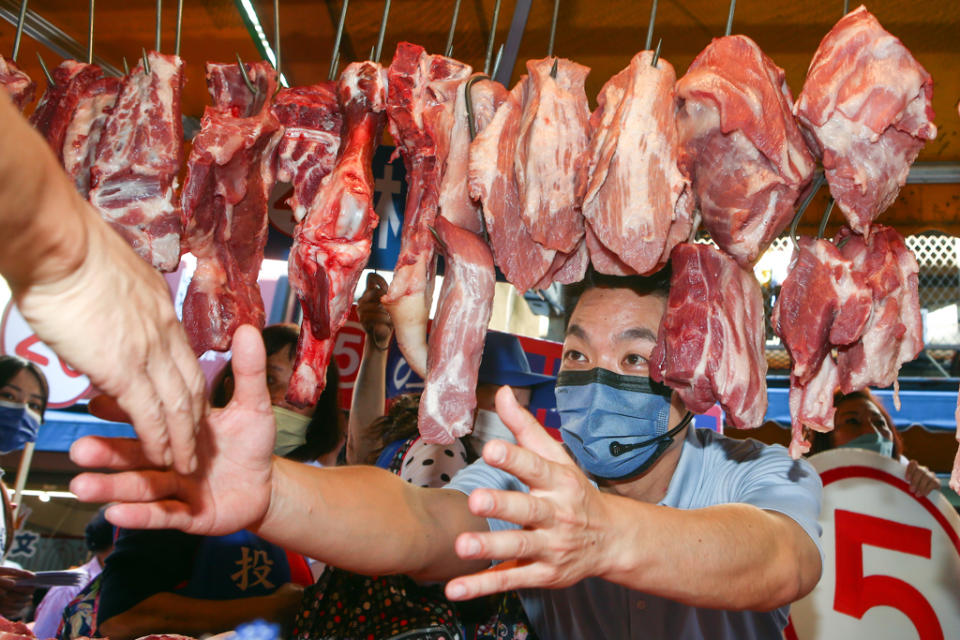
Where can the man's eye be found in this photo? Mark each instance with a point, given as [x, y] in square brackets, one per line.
[574, 355]
[634, 360]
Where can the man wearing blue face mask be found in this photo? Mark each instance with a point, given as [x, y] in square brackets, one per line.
[652, 529]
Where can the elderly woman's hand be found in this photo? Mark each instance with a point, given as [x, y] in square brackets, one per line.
[922, 480]
[13, 599]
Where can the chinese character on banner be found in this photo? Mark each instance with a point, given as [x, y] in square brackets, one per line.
[17, 338]
[255, 567]
[24, 544]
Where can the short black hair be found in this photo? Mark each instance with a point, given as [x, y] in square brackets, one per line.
[657, 284]
[98, 534]
[10, 366]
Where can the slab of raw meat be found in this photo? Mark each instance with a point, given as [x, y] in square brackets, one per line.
[449, 400]
[552, 151]
[603, 259]
[493, 181]
[567, 268]
[894, 332]
[83, 133]
[225, 199]
[332, 244]
[19, 85]
[710, 347]
[134, 178]
[634, 192]
[311, 137]
[455, 203]
[823, 303]
[741, 145]
[420, 108]
[57, 105]
[866, 105]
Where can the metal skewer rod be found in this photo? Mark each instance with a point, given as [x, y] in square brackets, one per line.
[553, 29]
[156, 38]
[176, 42]
[16, 39]
[46, 72]
[126, 67]
[383, 31]
[90, 35]
[246, 78]
[496, 61]
[146, 62]
[490, 38]
[276, 37]
[656, 54]
[846, 7]
[453, 27]
[825, 218]
[733, 7]
[653, 19]
[335, 57]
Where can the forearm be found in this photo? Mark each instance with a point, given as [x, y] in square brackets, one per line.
[369, 391]
[44, 220]
[732, 556]
[172, 613]
[368, 520]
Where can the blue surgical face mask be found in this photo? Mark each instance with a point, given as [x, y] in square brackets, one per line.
[616, 426]
[18, 425]
[872, 442]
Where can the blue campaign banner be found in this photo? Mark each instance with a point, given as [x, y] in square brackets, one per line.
[390, 193]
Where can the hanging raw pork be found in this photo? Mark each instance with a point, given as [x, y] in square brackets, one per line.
[57, 105]
[82, 137]
[710, 346]
[332, 243]
[449, 400]
[866, 105]
[134, 178]
[420, 106]
[311, 137]
[225, 198]
[637, 202]
[19, 85]
[741, 145]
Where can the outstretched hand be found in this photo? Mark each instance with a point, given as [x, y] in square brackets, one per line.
[562, 536]
[231, 488]
[373, 316]
[922, 480]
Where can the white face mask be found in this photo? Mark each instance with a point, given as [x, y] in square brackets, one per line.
[488, 426]
[291, 430]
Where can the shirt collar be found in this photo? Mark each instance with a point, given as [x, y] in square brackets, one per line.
[688, 473]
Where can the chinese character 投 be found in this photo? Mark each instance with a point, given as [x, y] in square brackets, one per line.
[255, 567]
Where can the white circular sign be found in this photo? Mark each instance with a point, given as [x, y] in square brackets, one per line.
[17, 338]
[892, 560]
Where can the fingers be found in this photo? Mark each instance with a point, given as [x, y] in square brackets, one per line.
[922, 480]
[106, 408]
[163, 514]
[178, 412]
[376, 282]
[505, 576]
[141, 402]
[126, 486]
[186, 362]
[532, 469]
[514, 506]
[529, 433]
[109, 453]
[249, 370]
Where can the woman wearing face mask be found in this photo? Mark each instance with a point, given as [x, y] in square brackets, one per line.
[23, 400]
[862, 422]
[206, 584]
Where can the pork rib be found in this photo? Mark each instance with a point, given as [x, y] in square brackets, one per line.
[551, 151]
[225, 198]
[134, 178]
[57, 105]
[332, 243]
[420, 108]
[710, 347]
[741, 145]
[866, 104]
[18, 84]
[85, 129]
[311, 137]
[456, 337]
[634, 191]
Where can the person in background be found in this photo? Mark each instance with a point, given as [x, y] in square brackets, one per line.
[677, 533]
[861, 421]
[23, 400]
[92, 300]
[208, 584]
[391, 441]
[98, 538]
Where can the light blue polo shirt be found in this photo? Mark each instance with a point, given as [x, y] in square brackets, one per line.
[712, 470]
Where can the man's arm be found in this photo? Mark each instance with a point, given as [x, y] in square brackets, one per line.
[172, 613]
[733, 556]
[369, 389]
[91, 299]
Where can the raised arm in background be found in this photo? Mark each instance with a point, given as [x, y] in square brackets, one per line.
[92, 300]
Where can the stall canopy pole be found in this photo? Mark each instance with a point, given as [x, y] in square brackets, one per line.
[382, 32]
[90, 36]
[517, 26]
[335, 57]
[453, 27]
[16, 39]
[653, 19]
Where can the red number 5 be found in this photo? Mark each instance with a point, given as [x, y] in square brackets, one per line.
[856, 593]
